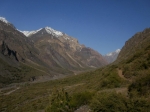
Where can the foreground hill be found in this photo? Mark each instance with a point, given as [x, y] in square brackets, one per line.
[45, 54]
[137, 43]
[134, 58]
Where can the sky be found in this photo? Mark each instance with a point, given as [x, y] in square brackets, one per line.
[104, 25]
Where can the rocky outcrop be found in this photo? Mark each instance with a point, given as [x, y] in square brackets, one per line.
[6, 51]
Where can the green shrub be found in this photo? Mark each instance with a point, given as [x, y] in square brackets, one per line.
[111, 81]
[138, 105]
[134, 57]
[81, 98]
[61, 101]
[113, 102]
[141, 86]
[108, 102]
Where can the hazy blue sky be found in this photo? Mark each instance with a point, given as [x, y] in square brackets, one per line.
[103, 25]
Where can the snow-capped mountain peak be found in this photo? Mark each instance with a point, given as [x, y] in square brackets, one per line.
[3, 20]
[53, 32]
[111, 57]
[49, 30]
[110, 54]
[118, 50]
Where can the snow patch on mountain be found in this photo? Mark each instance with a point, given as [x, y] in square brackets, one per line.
[28, 33]
[49, 30]
[111, 57]
[110, 54]
[3, 20]
[53, 32]
[118, 50]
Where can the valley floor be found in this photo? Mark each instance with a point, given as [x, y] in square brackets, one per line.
[25, 97]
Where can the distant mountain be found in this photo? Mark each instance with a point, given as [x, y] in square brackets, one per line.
[47, 29]
[111, 57]
[46, 53]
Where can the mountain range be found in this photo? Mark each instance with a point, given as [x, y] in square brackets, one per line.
[42, 54]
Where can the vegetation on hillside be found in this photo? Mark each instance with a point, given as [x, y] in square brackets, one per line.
[17, 73]
[103, 90]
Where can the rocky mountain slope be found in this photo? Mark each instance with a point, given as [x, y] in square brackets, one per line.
[111, 57]
[18, 56]
[65, 50]
[30, 55]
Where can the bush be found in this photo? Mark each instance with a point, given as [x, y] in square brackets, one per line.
[138, 105]
[108, 102]
[82, 98]
[113, 102]
[111, 81]
[141, 86]
[61, 101]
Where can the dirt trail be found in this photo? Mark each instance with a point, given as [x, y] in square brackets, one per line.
[11, 91]
[68, 87]
[8, 90]
[120, 74]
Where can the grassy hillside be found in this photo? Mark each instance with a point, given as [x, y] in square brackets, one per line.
[17, 73]
[136, 43]
[93, 88]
